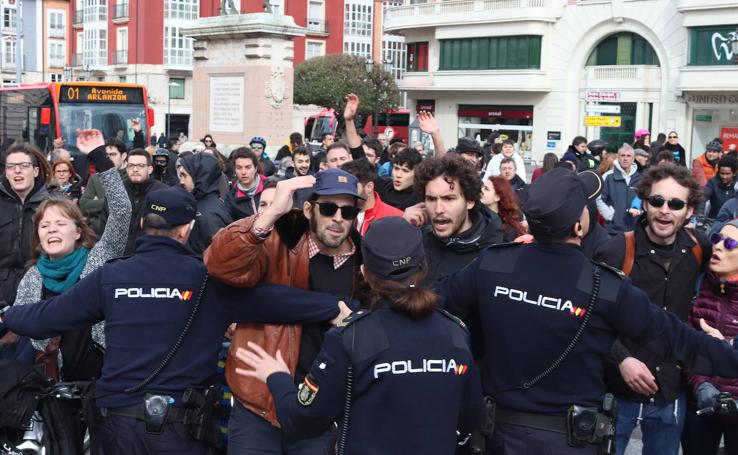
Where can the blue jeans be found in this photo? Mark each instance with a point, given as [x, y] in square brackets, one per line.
[661, 426]
[249, 434]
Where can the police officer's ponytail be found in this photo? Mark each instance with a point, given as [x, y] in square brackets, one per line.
[405, 296]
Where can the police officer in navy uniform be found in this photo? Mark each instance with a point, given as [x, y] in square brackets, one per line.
[549, 317]
[400, 376]
[145, 301]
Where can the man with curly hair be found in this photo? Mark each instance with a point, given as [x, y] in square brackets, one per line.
[664, 259]
[458, 227]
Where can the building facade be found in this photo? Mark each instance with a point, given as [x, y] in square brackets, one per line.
[544, 71]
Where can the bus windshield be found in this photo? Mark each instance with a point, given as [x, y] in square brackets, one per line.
[111, 119]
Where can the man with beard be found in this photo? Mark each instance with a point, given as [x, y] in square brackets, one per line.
[458, 227]
[301, 161]
[705, 166]
[372, 207]
[314, 247]
[200, 174]
[138, 185]
[664, 259]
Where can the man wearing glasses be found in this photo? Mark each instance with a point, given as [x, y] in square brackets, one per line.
[138, 184]
[664, 259]
[676, 149]
[22, 189]
[314, 247]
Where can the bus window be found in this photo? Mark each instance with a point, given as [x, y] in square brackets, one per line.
[20, 112]
[113, 120]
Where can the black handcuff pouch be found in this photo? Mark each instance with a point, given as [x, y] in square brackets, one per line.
[156, 409]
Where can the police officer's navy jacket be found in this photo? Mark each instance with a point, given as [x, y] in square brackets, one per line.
[532, 299]
[413, 382]
[145, 301]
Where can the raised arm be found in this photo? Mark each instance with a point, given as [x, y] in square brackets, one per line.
[429, 125]
[349, 114]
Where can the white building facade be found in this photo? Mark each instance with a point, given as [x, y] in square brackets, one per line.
[536, 69]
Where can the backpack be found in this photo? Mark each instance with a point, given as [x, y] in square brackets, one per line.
[630, 248]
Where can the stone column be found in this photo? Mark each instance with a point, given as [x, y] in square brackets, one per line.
[243, 78]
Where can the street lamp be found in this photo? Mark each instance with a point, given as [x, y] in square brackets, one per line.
[370, 71]
[88, 72]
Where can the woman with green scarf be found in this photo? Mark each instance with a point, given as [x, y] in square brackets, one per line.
[64, 251]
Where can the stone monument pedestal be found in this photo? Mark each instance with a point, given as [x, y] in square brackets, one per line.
[243, 77]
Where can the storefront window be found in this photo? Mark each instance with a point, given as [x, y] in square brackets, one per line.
[709, 123]
[514, 122]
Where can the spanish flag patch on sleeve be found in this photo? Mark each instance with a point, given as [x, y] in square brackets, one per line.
[307, 391]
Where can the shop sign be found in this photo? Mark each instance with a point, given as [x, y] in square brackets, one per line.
[729, 135]
[512, 112]
[554, 135]
[605, 121]
[602, 95]
[703, 118]
[603, 108]
[425, 105]
[713, 99]
[551, 144]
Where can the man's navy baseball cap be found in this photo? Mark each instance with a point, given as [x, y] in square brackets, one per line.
[175, 204]
[556, 200]
[393, 248]
[333, 182]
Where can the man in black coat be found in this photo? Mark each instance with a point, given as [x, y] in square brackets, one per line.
[457, 226]
[22, 189]
[200, 174]
[720, 188]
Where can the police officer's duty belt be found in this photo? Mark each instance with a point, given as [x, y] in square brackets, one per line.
[527, 419]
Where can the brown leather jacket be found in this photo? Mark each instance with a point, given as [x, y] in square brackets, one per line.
[238, 257]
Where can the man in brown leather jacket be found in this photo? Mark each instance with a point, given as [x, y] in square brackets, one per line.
[314, 248]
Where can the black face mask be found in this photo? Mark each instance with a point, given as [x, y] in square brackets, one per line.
[159, 167]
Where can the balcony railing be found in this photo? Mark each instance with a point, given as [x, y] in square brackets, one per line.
[121, 11]
[97, 13]
[463, 11]
[78, 17]
[8, 29]
[317, 26]
[56, 32]
[120, 57]
[56, 62]
[77, 60]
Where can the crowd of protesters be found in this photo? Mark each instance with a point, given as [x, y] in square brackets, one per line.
[62, 216]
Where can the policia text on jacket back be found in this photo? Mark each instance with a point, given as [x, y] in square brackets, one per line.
[545, 336]
[398, 378]
[147, 300]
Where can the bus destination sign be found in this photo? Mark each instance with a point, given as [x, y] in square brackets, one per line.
[91, 94]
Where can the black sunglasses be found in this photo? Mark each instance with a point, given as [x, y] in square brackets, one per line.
[673, 137]
[348, 212]
[730, 244]
[674, 204]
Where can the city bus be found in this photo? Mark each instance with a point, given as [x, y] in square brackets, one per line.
[41, 112]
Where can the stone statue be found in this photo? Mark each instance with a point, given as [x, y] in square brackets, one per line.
[227, 8]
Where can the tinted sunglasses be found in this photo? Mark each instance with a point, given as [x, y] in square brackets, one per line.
[730, 244]
[674, 204]
[348, 212]
[673, 137]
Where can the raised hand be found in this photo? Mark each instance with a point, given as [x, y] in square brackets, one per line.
[136, 124]
[352, 106]
[89, 140]
[427, 122]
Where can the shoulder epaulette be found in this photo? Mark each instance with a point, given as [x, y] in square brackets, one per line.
[109, 261]
[352, 318]
[619, 273]
[454, 319]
